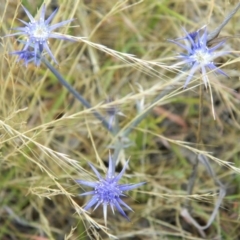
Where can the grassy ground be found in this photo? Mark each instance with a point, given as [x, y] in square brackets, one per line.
[47, 137]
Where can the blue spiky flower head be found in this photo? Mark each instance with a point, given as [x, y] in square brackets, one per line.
[198, 55]
[107, 191]
[27, 56]
[39, 31]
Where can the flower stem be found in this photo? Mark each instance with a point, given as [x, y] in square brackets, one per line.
[193, 175]
[143, 115]
[75, 93]
[120, 136]
[211, 36]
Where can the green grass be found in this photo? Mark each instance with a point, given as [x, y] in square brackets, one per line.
[47, 137]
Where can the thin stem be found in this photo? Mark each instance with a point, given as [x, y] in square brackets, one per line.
[75, 93]
[193, 175]
[117, 145]
[117, 149]
[216, 32]
[200, 114]
[222, 192]
[146, 112]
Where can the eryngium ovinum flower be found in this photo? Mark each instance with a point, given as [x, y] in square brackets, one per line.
[107, 191]
[38, 32]
[199, 56]
[27, 56]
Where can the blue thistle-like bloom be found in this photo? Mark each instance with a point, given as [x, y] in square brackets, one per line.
[199, 56]
[27, 56]
[39, 31]
[107, 191]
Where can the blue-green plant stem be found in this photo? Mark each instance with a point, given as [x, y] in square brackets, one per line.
[117, 144]
[75, 93]
[214, 34]
[120, 136]
[193, 175]
[143, 115]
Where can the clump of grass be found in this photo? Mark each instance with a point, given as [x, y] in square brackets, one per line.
[120, 51]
